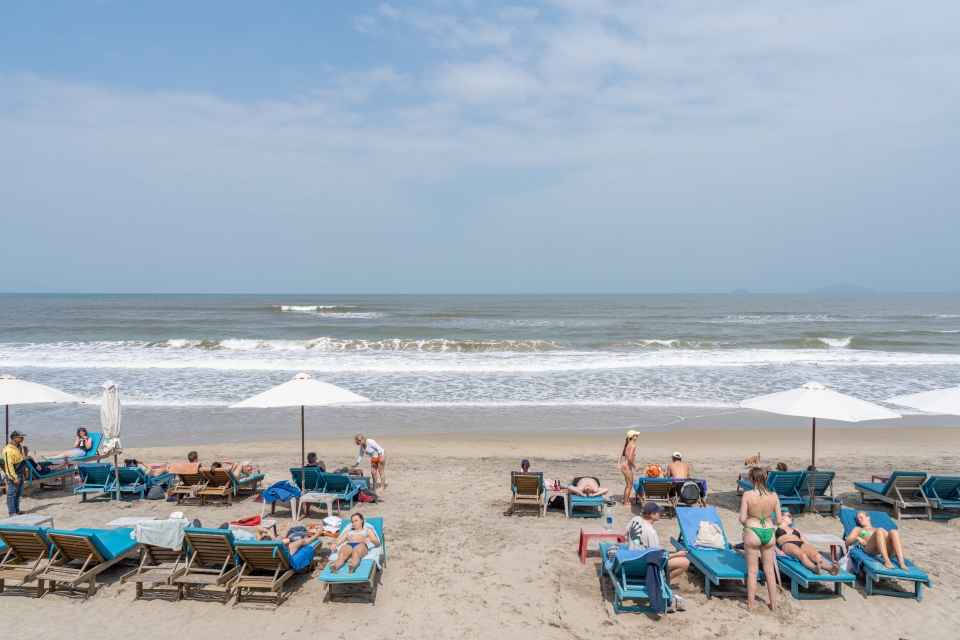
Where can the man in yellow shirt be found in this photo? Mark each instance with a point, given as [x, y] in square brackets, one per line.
[14, 465]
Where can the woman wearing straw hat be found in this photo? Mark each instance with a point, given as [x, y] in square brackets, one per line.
[627, 464]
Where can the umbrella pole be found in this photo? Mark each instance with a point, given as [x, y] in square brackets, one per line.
[8, 426]
[303, 461]
[813, 469]
[116, 474]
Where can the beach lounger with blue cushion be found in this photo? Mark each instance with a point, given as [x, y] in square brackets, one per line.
[822, 490]
[341, 486]
[95, 479]
[872, 566]
[800, 576]
[42, 480]
[211, 561]
[584, 506]
[24, 552]
[136, 480]
[80, 555]
[628, 571]
[904, 490]
[786, 484]
[221, 483]
[364, 576]
[715, 564]
[311, 478]
[267, 564]
[943, 492]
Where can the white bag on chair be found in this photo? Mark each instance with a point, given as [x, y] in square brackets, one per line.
[710, 535]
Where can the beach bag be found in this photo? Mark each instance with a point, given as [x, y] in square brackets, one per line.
[689, 492]
[156, 492]
[846, 564]
[249, 521]
[367, 495]
[653, 471]
[710, 535]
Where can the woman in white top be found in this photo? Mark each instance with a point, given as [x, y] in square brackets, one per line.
[378, 460]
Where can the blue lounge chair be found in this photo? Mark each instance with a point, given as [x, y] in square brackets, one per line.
[94, 454]
[366, 571]
[714, 564]
[80, 555]
[904, 490]
[823, 484]
[340, 485]
[95, 479]
[800, 576]
[136, 480]
[211, 561]
[313, 481]
[943, 492]
[41, 480]
[786, 484]
[629, 578]
[222, 483]
[872, 566]
[24, 552]
[590, 507]
[273, 558]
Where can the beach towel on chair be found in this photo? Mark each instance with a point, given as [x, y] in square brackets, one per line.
[160, 533]
[281, 491]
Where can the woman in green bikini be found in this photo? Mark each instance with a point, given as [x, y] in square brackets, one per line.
[760, 516]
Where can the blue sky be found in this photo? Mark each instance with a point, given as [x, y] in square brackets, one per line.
[566, 146]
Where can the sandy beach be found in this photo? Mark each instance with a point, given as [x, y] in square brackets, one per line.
[458, 568]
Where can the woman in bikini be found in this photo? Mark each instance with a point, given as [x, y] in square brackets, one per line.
[794, 544]
[352, 544]
[877, 541]
[627, 464]
[756, 508]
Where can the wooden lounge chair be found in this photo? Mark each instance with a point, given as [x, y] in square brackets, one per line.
[943, 492]
[658, 491]
[24, 553]
[211, 561]
[221, 483]
[80, 555]
[528, 490]
[904, 490]
[189, 480]
[42, 481]
[361, 584]
[267, 565]
[158, 568]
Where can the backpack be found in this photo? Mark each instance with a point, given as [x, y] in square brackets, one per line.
[689, 492]
[156, 492]
[367, 495]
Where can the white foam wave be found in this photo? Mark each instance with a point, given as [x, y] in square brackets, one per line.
[836, 342]
[313, 307]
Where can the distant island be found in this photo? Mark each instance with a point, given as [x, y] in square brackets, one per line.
[844, 288]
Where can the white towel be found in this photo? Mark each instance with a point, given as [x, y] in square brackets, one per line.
[160, 533]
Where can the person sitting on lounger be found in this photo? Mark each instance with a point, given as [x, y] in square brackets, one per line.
[642, 535]
[794, 544]
[81, 446]
[313, 462]
[586, 487]
[677, 467]
[294, 536]
[352, 544]
[46, 467]
[877, 541]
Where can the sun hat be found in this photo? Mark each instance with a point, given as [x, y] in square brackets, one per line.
[676, 454]
[651, 508]
[632, 433]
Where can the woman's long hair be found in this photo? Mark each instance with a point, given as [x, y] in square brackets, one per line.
[758, 478]
[82, 429]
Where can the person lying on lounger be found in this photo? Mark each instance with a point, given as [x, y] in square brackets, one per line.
[794, 544]
[243, 469]
[293, 536]
[877, 541]
[47, 466]
[352, 544]
[586, 487]
[152, 472]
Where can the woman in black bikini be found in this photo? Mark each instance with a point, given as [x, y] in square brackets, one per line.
[791, 542]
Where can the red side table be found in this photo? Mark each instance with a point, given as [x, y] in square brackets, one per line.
[586, 533]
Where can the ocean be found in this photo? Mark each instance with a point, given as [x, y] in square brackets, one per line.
[446, 363]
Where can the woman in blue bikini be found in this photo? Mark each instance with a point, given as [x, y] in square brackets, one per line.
[352, 544]
[759, 513]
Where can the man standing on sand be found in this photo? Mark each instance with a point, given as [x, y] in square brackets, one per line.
[678, 468]
[642, 535]
[14, 465]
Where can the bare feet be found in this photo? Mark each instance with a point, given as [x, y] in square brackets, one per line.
[888, 564]
[834, 568]
[904, 566]
[746, 607]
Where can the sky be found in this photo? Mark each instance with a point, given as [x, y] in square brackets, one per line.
[567, 146]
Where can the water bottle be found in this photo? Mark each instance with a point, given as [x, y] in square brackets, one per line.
[609, 523]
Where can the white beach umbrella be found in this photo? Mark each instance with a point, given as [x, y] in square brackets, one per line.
[13, 390]
[937, 401]
[303, 391]
[110, 421]
[813, 400]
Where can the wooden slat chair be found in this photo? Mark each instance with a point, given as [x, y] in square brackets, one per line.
[211, 561]
[528, 490]
[658, 491]
[189, 480]
[267, 565]
[94, 550]
[159, 567]
[221, 483]
[903, 490]
[24, 556]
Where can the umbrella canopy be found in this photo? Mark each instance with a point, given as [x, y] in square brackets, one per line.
[937, 401]
[302, 391]
[13, 390]
[813, 400]
[110, 414]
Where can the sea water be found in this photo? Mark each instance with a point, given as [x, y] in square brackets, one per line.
[447, 363]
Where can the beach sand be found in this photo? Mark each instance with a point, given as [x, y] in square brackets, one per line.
[459, 568]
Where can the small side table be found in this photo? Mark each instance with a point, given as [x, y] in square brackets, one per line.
[28, 521]
[266, 524]
[550, 494]
[880, 477]
[833, 541]
[587, 533]
[318, 498]
[127, 522]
